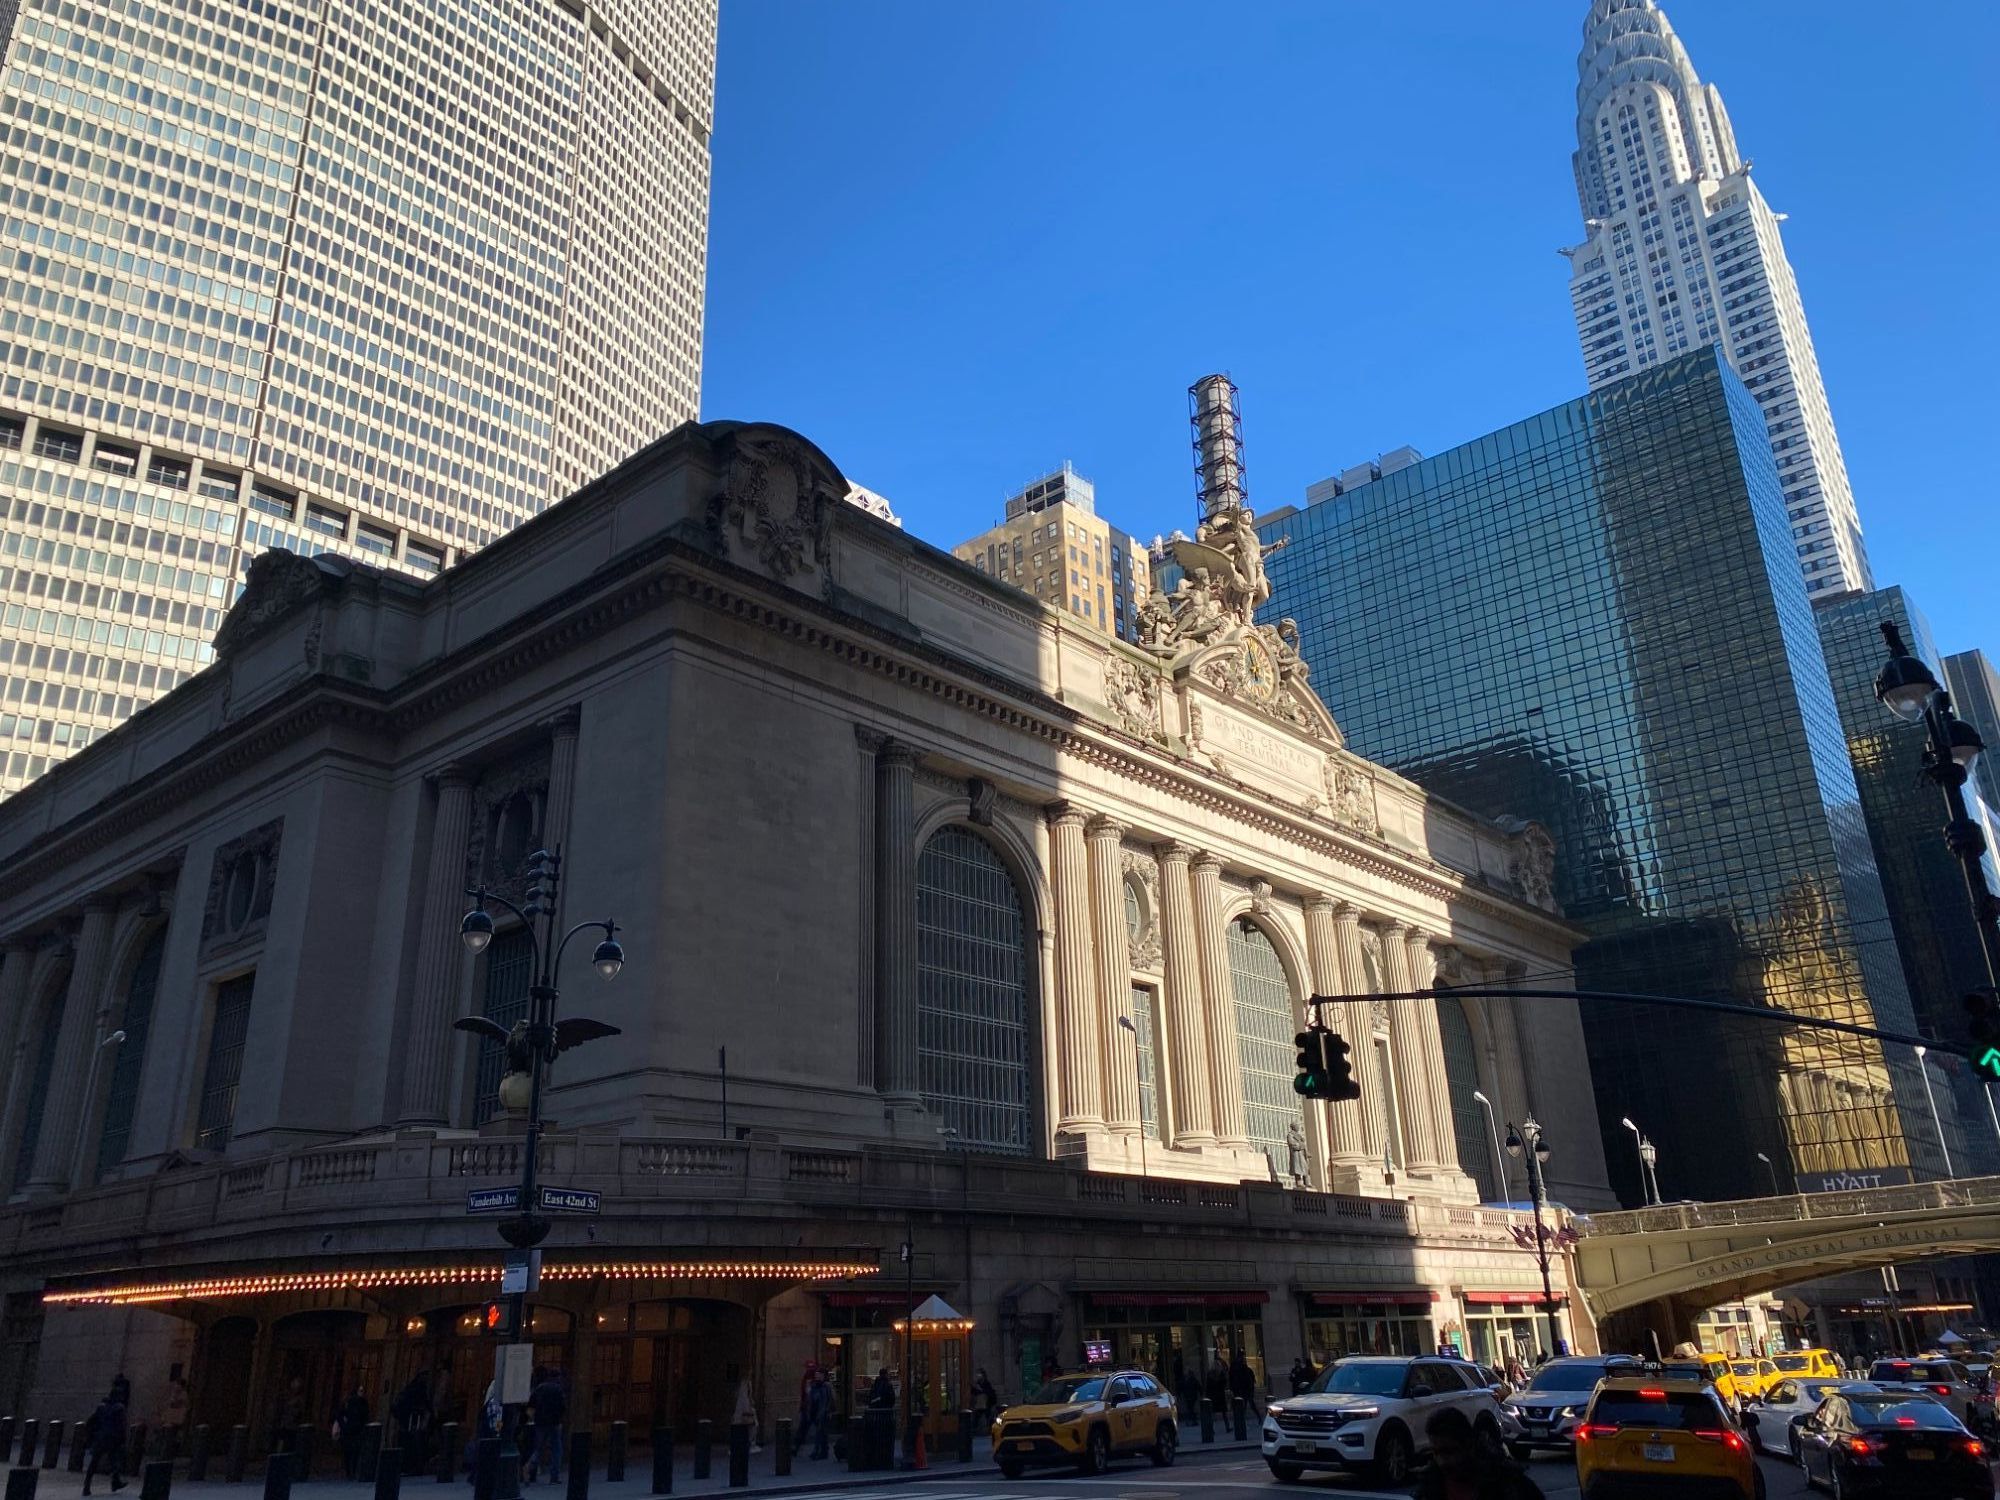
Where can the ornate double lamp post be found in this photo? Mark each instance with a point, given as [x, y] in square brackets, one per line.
[1527, 1144]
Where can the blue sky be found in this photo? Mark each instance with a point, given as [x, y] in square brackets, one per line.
[958, 243]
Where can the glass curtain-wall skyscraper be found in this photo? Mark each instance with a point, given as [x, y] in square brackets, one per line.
[376, 277]
[1593, 618]
[1683, 251]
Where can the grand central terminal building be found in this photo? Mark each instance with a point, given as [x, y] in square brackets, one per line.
[947, 918]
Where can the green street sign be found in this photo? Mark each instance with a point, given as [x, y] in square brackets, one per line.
[1988, 1063]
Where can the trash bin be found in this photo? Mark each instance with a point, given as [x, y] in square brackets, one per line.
[878, 1437]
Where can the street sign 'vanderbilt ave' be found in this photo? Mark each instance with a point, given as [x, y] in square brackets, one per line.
[554, 1200]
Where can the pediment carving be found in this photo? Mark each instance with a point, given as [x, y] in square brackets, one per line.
[774, 510]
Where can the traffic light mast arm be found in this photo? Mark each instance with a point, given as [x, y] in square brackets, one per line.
[1675, 1002]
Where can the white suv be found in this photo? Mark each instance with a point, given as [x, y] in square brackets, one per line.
[1368, 1414]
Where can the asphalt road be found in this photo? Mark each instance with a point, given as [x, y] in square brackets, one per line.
[1231, 1476]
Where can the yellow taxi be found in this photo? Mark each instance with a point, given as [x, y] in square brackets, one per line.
[1807, 1364]
[1087, 1419]
[1663, 1433]
[1713, 1368]
[1753, 1377]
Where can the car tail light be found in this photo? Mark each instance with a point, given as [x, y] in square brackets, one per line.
[1859, 1447]
[1728, 1439]
[1652, 1395]
[1906, 1421]
[1942, 1390]
[1591, 1430]
[1975, 1449]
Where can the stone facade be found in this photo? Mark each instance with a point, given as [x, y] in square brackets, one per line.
[922, 858]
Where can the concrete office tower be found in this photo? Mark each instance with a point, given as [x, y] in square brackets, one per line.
[1590, 619]
[379, 282]
[1053, 544]
[1683, 251]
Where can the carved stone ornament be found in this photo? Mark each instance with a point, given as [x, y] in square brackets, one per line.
[1132, 693]
[241, 881]
[776, 505]
[509, 811]
[1260, 897]
[981, 795]
[1531, 863]
[1350, 796]
[1143, 870]
[279, 582]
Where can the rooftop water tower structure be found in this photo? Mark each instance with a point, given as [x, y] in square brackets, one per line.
[1217, 421]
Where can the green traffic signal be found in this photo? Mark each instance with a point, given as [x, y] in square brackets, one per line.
[1986, 1063]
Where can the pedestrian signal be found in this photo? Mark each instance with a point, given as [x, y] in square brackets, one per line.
[497, 1319]
[1982, 1027]
[1324, 1072]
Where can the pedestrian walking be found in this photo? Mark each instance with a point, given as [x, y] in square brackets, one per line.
[1243, 1381]
[491, 1414]
[987, 1398]
[1458, 1470]
[548, 1404]
[350, 1425]
[106, 1436]
[745, 1413]
[412, 1411]
[1187, 1388]
[1301, 1377]
[819, 1413]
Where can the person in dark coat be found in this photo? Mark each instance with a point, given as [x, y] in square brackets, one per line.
[1243, 1381]
[107, 1439]
[1458, 1470]
[882, 1395]
[350, 1425]
[412, 1411]
[1302, 1376]
[819, 1413]
[548, 1404]
[1215, 1386]
[1187, 1389]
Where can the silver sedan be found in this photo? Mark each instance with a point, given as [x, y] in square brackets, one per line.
[1774, 1420]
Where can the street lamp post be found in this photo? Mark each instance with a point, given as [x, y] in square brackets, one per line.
[538, 1039]
[1931, 1098]
[1776, 1191]
[1493, 1129]
[1139, 1086]
[1527, 1144]
[1649, 1161]
[1907, 689]
[1648, 1191]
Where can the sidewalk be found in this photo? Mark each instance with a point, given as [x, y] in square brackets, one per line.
[807, 1475]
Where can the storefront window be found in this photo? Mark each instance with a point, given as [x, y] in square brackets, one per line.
[1336, 1330]
[1174, 1340]
[1496, 1334]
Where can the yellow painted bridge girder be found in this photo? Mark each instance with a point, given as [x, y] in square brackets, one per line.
[1717, 1252]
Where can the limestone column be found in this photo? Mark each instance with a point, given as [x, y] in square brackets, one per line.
[1112, 947]
[1354, 979]
[1412, 1058]
[896, 925]
[1526, 1036]
[427, 1058]
[1444, 1119]
[1225, 1066]
[55, 1146]
[17, 963]
[1193, 1119]
[1079, 1071]
[1346, 1120]
[562, 781]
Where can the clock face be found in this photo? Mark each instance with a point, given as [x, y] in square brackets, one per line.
[1260, 673]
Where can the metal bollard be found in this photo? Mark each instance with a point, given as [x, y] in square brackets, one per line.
[1242, 1418]
[198, 1455]
[1207, 1420]
[485, 1465]
[856, 1458]
[614, 1458]
[79, 1447]
[388, 1473]
[371, 1449]
[663, 1461]
[968, 1427]
[278, 1477]
[6, 1439]
[448, 1453]
[739, 1455]
[135, 1449]
[704, 1439]
[302, 1454]
[781, 1439]
[238, 1457]
[21, 1483]
[156, 1480]
[31, 1431]
[52, 1445]
[507, 1474]
[579, 1465]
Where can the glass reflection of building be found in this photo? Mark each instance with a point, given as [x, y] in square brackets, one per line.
[1594, 618]
[1929, 917]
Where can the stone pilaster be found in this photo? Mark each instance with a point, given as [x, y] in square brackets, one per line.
[55, 1146]
[434, 1000]
[896, 925]
[1079, 1071]
[562, 780]
[1413, 1060]
[1225, 1068]
[1347, 1120]
[1112, 949]
[17, 964]
[1193, 1119]
[1444, 1119]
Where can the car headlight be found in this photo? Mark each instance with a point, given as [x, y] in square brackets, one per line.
[1360, 1413]
[1275, 1409]
[1567, 1411]
[1067, 1416]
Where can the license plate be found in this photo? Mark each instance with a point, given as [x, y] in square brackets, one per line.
[1921, 1455]
[1020, 1442]
[1307, 1445]
[1659, 1453]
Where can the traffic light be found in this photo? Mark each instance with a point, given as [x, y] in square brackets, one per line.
[497, 1319]
[1982, 1026]
[1324, 1072]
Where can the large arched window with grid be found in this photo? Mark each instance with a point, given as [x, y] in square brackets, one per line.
[972, 993]
[1266, 1021]
[136, 1021]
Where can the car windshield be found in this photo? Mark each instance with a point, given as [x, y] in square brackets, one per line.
[1677, 1409]
[1814, 1391]
[1890, 1411]
[1906, 1369]
[1066, 1388]
[1686, 1369]
[1570, 1375]
[1794, 1363]
[1361, 1377]
[1743, 1367]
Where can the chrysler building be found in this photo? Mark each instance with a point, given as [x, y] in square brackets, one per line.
[1684, 251]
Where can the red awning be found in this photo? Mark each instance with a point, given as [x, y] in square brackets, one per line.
[898, 1300]
[1171, 1299]
[1408, 1297]
[1507, 1299]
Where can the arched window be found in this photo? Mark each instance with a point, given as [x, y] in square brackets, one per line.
[1468, 1120]
[509, 960]
[1266, 1020]
[135, 1021]
[41, 1068]
[972, 993]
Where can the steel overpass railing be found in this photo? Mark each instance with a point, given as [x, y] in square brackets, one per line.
[1957, 1192]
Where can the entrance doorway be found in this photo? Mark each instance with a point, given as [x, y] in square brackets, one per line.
[222, 1399]
[318, 1359]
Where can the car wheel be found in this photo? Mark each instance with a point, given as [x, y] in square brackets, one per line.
[1096, 1456]
[1521, 1452]
[1286, 1473]
[1833, 1484]
[1011, 1467]
[1164, 1446]
[1392, 1458]
[1757, 1482]
[1486, 1438]
[1805, 1469]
